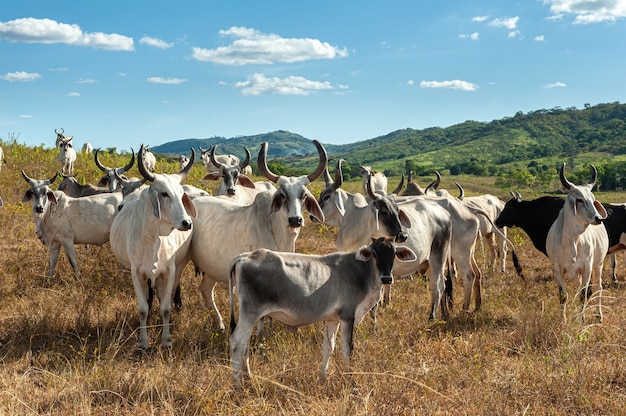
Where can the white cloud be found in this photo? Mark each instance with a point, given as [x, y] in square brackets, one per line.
[515, 34]
[86, 81]
[453, 85]
[555, 85]
[73, 94]
[587, 11]
[473, 36]
[158, 43]
[32, 30]
[479, 18]
[169, 81]
[410, 82]
[539, 38]
[253, 47]
[20, 76]
[258, 84]
[26, 116]
[506, 22]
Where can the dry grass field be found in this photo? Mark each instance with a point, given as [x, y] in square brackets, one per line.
[68, 346]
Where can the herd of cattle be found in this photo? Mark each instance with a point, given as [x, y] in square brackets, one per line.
[156, 226]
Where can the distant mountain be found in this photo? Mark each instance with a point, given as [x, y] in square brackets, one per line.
[482, 148]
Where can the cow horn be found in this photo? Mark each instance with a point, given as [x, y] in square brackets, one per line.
[368, 187]
[212, 157]
[400, 186]
[201, 149]
[184, 172]
[461, 191]
[594, 175]
[338, 175]
[519, 196]
[100, 165]
[323, 162]
[27, 179]
[566, 184]
[131, 163]
[142, 168]
[262, 163]
[62, 131]
[327, 178]
[246, 162]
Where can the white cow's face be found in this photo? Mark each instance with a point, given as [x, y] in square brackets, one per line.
[170, 203]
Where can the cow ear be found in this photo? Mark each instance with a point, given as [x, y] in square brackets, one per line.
[364, 253]
[311, 205]
[404, 219]
[405, 254]
[340, 199]
[213, 176]
[601, 210]
[52, 198]
[189, 207]
[27, 195]
[156, 205]
[245, 181]
[375, 212]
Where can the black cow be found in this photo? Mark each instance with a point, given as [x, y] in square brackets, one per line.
[535, 217]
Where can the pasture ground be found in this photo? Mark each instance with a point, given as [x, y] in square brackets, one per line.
[67, 346]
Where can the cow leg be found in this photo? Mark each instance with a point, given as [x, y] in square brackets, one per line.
[328, 346]
[70, 252]
[140, 282]
[55, 250]
[165, 287]
[239, 349]
[562, 291]
[207, 288]
[478, 297]
[613, 267]
[502, 249]
[436, 285]
[347, 339]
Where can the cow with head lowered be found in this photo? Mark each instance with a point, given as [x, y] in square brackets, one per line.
[151, 236]
[273, 220]
[300, 289]
[111, 174]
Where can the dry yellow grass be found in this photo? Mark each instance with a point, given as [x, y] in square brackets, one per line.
[67, 346]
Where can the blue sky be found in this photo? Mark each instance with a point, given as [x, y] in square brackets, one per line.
[121, 73]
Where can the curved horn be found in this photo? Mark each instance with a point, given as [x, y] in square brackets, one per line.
[566, 184]
[323, 162]
[201, 149]
[184, 172]
[370, 193]
[142, 168]
[437, 181]
[246, 162]
[519, 196]
[327, 178]
[62, 131]
[338, 175]
[131, 163]
[400, 186]
[98, 164]
[461, 191]
[212, 157]
[594, 175]
[262, 163]
[27, 179]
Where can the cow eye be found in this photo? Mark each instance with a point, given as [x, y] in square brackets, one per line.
[579, 201]
[164, 194]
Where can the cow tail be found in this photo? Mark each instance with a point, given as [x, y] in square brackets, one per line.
[231, 296]
[448, 287]
[518, 267]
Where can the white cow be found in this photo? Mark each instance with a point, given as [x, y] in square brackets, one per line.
[2, 160]
[228, 160]
[576, 246]
[151, 236]
[225, 228]
[61, 220]
[183, 160]
[87, 148]
[60, 137]
[234, 183]
[300, 289]
[378, 179]
[428, 231]
[67, 156]
[111, 176]
[149, 159]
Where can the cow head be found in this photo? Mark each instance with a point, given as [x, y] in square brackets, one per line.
[111, 174]
[384, 252]
[292, 192]
[39, 193]
[170, 203]
[231, 175]
[580, 200]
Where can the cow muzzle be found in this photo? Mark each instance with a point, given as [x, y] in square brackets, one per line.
[185, 225]
[386, 280]
[295, 222]
[401, 237]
